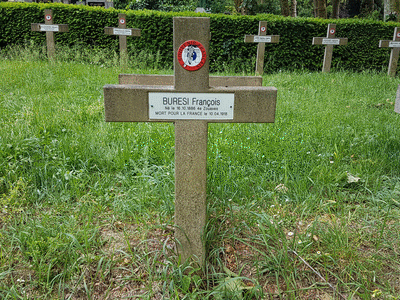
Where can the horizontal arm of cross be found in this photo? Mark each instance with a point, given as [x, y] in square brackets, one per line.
[389, 43]
[49, 27]
[129, 103]
[329, 41]
[122, 31]
[273, 39]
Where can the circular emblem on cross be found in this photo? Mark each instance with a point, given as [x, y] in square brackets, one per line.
[192, 55]
[398, 34]
[47, 17]
[332, 31]
[121, 21]
[263, 28]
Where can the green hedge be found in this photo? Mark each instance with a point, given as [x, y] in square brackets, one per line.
[294, 51]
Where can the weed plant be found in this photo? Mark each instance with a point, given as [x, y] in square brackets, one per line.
[304, 208]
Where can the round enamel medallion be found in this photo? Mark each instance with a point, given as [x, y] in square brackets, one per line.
[332, 31]
[192, 55]
[47, 17]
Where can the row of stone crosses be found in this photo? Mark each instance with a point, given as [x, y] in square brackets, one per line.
[191, 99]
[329, 41]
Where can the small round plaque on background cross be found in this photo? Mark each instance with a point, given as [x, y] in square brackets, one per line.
[192, 55]
[332, 31]
[263, 28]
[121, 21]
[48, 17]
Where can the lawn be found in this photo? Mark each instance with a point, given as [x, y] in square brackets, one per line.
[307, 207]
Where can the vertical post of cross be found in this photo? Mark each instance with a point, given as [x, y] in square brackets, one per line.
[190, 156]
[122, 38]
[262, 31]
[326, 67]
[394, 54]
[329, 42]
[261, 39]
[48, 20]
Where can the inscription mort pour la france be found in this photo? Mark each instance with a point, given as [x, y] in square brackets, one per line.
[191, 106]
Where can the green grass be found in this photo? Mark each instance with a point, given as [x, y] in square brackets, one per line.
[86, 207]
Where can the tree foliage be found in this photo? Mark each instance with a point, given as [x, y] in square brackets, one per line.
[163, 5]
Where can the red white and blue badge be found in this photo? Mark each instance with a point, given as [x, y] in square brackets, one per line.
[263, 29]
[48, 17]
[121, 21]
[192, 55]
[332, 31]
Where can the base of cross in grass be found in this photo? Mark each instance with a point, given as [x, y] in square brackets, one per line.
[190, 100]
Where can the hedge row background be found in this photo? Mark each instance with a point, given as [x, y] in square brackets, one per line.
[294, 51]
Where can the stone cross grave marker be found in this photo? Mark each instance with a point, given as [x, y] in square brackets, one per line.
[329, 41]
[122, 32]
[261, 39]
[394, 54]
[190, 103]
[49, 28]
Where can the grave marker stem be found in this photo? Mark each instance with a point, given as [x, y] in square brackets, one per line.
[49, 35]
[122, 38]
[191, 147]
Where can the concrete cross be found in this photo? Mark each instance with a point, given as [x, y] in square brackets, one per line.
[122, 32]
[191, 104]
[49, 28]
[394, 54]
[329, 41]
[261, 39]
